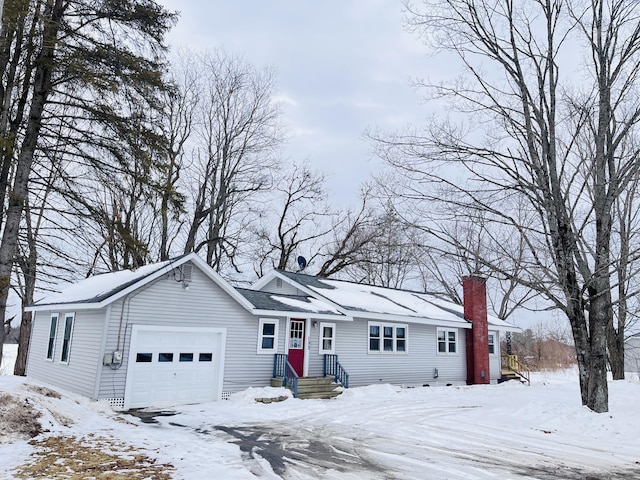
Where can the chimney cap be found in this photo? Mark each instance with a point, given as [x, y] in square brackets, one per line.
[475, 276]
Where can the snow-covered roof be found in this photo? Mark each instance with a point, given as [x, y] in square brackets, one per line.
[100, 290]
[372, 301]
[99, 287]
[269, 302]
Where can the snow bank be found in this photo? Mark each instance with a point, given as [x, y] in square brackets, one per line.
[9, 354]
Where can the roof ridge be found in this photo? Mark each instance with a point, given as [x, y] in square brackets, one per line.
[395, 289]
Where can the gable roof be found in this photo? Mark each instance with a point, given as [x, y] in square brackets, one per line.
[373, 302]
[100, 290]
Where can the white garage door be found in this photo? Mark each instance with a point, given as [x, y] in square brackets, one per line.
[172, 365]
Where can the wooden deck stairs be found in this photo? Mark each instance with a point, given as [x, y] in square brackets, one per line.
[313, 387]
[513, 369]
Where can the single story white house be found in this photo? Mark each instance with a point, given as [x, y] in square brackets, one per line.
[176, 332]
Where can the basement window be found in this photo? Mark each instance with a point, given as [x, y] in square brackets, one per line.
[387, 338]
[447, 342]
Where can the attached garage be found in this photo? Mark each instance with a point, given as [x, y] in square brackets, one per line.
[174, 365]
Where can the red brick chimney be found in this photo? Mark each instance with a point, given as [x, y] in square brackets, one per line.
[475, 310]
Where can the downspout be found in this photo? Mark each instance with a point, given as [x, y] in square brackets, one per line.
[124, 300]
[100, 366]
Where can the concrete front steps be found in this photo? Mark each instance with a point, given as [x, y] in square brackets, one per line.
[313, 387]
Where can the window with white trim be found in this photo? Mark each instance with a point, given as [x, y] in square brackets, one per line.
[268, 335]
[53, 327]
[492, 343]
[447, 341]
[66, 339]
[327, 338]
[387, 337]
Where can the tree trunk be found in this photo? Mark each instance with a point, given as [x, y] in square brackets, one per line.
[581, 340]
[615, 344]
[20, 367]
[53, 14]
[598, 393]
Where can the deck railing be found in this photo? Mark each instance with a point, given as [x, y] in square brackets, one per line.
[511, 363]
[332, 367]
[282, 368]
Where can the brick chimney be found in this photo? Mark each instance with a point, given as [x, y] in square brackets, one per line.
[475, 310]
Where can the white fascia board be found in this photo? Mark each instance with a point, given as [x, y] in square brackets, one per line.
[265, 279]
[505, 328]
[312, 315]
[52, 307]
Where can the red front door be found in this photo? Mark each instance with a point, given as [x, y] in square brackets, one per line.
[296, 345]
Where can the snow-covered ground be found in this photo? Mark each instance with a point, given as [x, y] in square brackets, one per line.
[508, 431]
[9, 354]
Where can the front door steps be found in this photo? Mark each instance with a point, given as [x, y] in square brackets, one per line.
[313, 387]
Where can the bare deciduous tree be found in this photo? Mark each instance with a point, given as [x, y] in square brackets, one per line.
[351, 233]
[238, 133]
[390, 255]
[302, 218]
[515, 145]
[443, 264]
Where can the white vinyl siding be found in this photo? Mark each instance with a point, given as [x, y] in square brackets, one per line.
[416, 367]
[278, 285]
[632, 354]
[79, 375]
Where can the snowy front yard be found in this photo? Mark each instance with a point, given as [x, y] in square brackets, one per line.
[507, 431]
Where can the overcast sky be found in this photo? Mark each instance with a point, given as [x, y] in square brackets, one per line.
[343, 66]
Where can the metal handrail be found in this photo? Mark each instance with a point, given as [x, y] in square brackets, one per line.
[333, 367]
[290, 379]
[512, 363]
[282, 368]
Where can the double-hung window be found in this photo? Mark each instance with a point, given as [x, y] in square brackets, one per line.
[492, 343]
[327, 338]
[387, 337]
[66, 339]
[268, 335]
[53, 327]
[447, 341]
